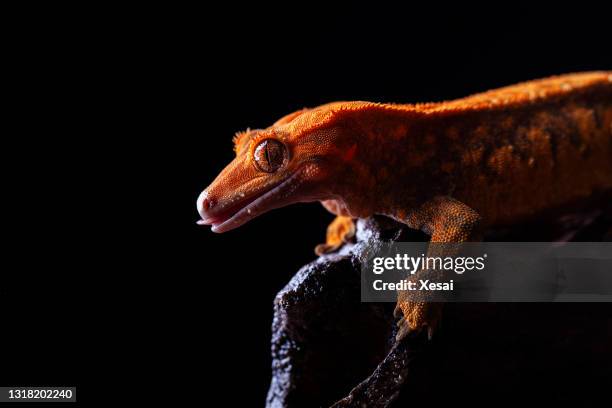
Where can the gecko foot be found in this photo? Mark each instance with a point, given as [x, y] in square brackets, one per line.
[415, 317]
[341, 230]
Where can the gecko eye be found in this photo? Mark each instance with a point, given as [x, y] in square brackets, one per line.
[269, 155]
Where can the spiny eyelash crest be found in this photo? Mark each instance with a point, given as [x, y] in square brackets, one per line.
[241, 139]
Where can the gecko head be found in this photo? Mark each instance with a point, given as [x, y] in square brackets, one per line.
[274, 167]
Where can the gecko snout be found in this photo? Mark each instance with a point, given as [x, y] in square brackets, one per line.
[204, 205]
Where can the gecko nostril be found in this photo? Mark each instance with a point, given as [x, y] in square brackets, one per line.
[204, 204]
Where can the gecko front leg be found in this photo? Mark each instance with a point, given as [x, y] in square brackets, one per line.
[446, 220]
[341, 230]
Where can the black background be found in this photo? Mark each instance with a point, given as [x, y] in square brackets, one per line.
[121, 117]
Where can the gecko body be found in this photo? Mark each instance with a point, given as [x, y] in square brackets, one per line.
[450, 169]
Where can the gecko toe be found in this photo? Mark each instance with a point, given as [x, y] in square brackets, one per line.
[403, 329]
[397, 312]
[323, 249]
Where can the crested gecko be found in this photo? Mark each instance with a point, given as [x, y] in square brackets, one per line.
[449, 169]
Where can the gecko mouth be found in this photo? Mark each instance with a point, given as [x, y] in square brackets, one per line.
[264, 201]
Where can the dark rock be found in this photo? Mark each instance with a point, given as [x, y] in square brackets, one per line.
[329, 348]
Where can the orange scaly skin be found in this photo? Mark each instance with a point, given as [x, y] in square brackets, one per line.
[449, 169]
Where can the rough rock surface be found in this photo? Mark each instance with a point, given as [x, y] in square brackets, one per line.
[329, 349]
